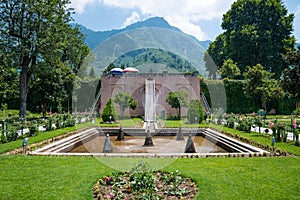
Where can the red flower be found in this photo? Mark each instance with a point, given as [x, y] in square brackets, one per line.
[107, 178]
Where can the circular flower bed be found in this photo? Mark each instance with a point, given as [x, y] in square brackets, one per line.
[140, 183]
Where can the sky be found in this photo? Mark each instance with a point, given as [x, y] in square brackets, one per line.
[200, 18]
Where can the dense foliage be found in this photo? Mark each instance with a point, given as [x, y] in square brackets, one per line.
[178, 100]
[168, 61]
[255, 32]
[291, 76]
[238, 102]
[195, 113]
[36, 33]
[109, 112]
[125, 100]
[260, 83]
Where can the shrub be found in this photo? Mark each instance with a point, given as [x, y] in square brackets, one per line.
[70, 122]
[109, 111]
[33, 128]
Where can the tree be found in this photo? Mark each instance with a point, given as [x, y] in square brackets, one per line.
[215, 56]
[229, 70]
[109, 112]
[177, 100]
[260, 82]
[195, 113]
[291, 76]
[9, 80]
[51, 85]
[255, 31]
[125, 100]
[109, 67]
[36, 31]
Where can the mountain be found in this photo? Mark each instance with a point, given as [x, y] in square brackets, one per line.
[116, 42]
[154, 61]
[94, 38]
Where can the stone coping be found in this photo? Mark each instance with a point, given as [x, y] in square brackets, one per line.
[157, 155]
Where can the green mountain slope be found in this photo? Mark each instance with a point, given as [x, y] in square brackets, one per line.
[155, 61]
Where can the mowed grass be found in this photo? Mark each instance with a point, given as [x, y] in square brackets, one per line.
[261, 138]
[33, 177]
[41, 136]
[183, 123]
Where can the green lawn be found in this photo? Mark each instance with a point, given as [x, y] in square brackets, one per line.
[33, 177]
[183, 123]
[41, 136]
[264, 139]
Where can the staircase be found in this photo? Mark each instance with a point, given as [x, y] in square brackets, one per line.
[205, 104]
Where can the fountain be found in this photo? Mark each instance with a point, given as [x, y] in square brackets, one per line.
[107, 145]
[150, 115]
[179, 134]
[121, 134]
[148, 139]
[168, 142]
[190, 147]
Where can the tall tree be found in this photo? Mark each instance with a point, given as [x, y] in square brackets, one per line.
[178, 100]
[215, 56]
[52, 85]
[291, 77]
[259, 82]
[256, 32]
[37, 30]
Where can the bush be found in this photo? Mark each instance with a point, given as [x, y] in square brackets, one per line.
[70, 122]
[33, 128]
[11, 134]
[109, 112]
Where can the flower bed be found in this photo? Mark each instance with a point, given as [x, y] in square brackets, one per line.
[141, 183]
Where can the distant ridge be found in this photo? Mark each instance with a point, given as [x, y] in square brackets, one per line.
[94, 38]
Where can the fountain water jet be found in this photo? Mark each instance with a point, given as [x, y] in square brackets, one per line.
[150, 115]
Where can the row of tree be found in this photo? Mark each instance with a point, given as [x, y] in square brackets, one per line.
[257, 45]
[40, 52]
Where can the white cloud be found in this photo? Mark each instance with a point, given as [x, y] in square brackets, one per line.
[184, 14]
[134, 17]
[80, 5]
[188, 27]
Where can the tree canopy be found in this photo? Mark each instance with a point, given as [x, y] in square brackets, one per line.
[255, 32]
[37, 32]
[291, 77]
[260, 82]
[125, 100]
[229, 70]
[177, 100]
